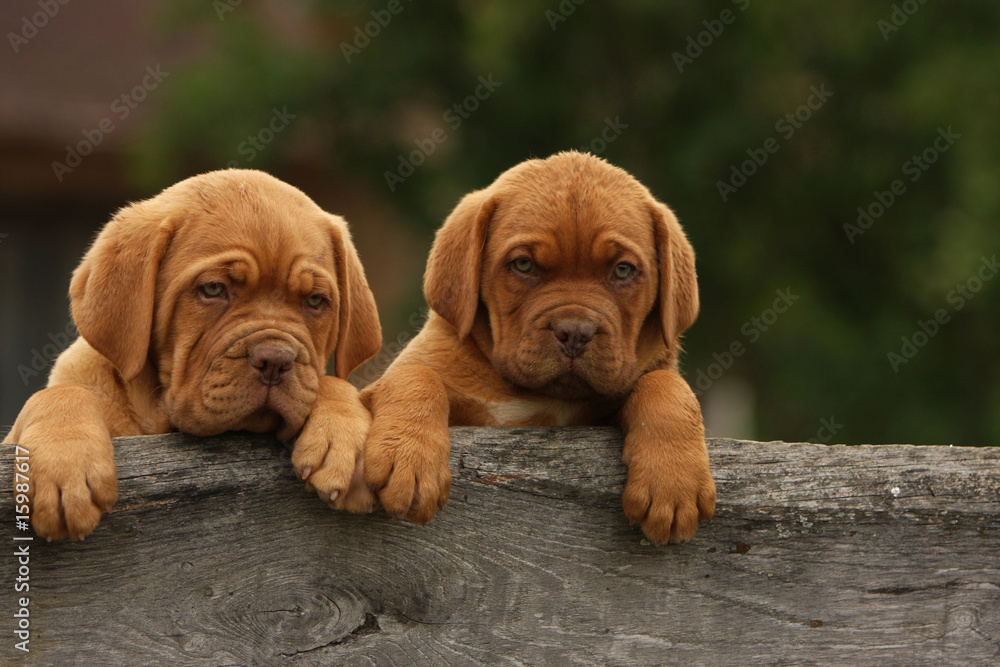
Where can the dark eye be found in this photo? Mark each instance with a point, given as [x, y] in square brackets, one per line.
[523, 265]
[624, 271]
[315, 300]
[213, 290]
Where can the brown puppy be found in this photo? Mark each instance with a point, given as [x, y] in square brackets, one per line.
[213, 306]
[558, 295]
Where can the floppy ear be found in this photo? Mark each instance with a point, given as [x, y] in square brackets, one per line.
[359, 334]
[678, 281]
[113, 289]
[451, 281]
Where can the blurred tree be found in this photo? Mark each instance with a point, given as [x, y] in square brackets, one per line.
[764, 126]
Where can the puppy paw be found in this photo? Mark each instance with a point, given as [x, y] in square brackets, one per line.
[668, 489]
[72, 482]
[409, 472]
[408, 449]
[329, 451]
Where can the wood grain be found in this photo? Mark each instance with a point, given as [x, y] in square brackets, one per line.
[216, 555]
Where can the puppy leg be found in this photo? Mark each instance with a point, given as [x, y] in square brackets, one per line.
[71, 460]
[408, 449]
[669, 483]
[329, 451]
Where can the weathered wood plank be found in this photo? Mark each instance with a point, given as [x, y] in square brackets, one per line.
[216, 555]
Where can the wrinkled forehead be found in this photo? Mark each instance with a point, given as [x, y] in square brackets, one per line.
[578, 212]
[253, 238]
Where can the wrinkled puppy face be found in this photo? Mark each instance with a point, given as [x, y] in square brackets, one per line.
[235, 288]
[569, 279]
[248, 299]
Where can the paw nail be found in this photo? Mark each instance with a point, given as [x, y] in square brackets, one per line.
[306, 472]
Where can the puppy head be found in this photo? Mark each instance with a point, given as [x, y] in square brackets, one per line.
[580, 278]
[237, 288]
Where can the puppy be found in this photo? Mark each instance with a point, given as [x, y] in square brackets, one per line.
[213, 306]
[558, 296]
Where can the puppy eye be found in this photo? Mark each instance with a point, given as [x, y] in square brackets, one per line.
[523, 265]
[624, 271]
[315, 300]
[213, 290]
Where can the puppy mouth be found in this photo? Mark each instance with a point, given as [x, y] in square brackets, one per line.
[259, 409]
[570, 386]
[566, 359]
[260, 383]
[263, 420]
[568, 378]
[278, 411]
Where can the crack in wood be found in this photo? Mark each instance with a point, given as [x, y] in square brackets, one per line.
[368, 626]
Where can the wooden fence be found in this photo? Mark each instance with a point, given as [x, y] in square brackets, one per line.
[818, 555]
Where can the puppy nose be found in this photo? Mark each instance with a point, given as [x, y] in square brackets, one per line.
[271, 363]
[573, 336]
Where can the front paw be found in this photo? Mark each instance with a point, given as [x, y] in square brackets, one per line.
[332, 464]
[71, 483]
[329, 452]
[409, 447]
[408, 468]
[669, 488]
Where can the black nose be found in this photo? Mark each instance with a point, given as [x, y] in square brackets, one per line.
[271, 363]
[573, 336]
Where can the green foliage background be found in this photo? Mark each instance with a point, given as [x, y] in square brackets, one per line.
[561, 80]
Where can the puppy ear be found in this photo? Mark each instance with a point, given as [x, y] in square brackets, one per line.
[359, 334]
[451, 281]
[113, 290]
[678, 281]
